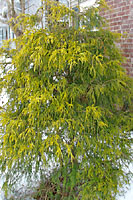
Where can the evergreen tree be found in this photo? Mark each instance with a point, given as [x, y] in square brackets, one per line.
[69, 103]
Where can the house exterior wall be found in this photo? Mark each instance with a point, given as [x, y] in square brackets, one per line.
[120, 17]
[31, 7]
[86, 3]
[5, 30]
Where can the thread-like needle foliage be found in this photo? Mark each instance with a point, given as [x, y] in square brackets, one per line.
[69, 104]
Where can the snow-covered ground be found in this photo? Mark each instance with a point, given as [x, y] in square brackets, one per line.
[129, 194]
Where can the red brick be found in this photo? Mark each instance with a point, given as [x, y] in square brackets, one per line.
[116, 27]
[126, 55]
[125, 17]
[128, 50]
[125, 45]
[125, 8]
[123, 4]
[117, 19]
[126, 26]
[114, 24]
[130, 40]
[120, 20]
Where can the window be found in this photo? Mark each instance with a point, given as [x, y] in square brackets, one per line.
[4, 34]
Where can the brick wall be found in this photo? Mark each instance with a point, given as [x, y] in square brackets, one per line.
[120, 18]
